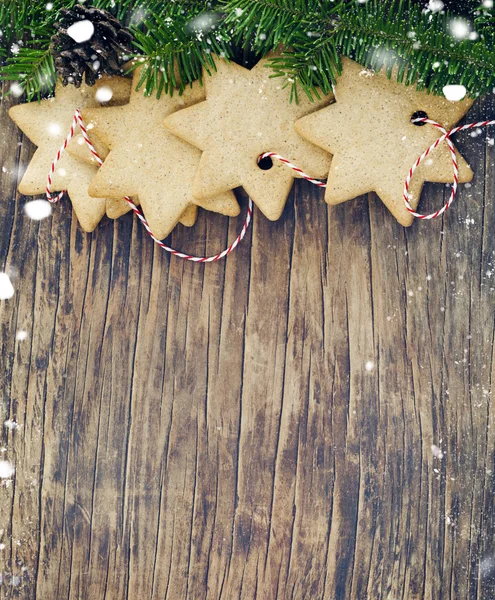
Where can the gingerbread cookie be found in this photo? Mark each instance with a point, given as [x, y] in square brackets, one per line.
[245, 114]
[115, 207]
[369, 132]
[47, 124]
[147, 161]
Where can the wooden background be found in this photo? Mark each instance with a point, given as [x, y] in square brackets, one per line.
[190, 432]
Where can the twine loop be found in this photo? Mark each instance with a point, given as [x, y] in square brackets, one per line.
[445, 137]
[78, 121]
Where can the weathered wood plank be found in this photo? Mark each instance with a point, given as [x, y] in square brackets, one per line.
[257, 428]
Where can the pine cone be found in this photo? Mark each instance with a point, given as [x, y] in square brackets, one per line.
[103, 53]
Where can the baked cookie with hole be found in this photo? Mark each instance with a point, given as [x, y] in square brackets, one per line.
[369, 132]
[247, 113]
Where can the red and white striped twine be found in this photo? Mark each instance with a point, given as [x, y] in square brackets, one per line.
[444, 138]
[299, 171]
[446, 135]
[78, 120]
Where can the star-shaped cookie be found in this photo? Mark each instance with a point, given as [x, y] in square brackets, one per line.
[47, 124]
[368, 131]
[115, 207]
[245, 114]
[147, 161]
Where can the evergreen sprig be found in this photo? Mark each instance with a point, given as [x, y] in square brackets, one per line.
[177, 44]
[175, 40]
[374, 33]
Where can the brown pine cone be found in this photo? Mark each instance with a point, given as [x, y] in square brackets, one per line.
[104, 52]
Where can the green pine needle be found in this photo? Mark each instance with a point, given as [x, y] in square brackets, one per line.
[175, 41]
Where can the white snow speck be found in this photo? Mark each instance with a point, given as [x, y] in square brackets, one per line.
[459, 28]
[6, 469]
[487, 566]
[139, 16]
[204, 22]
[6, 287]
[16, 89]
[435, 5]
[10, 424]
[454, 93]
[82, 31]
[437, 453]
[38, 209]
[487, 3]
[49, 6]
[21, 335]
[369, 365]
[104, 94]
[54, 129]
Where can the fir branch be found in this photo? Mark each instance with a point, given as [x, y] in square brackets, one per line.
[33, 70]
[375, 34]
[175, 46]
[178, 44]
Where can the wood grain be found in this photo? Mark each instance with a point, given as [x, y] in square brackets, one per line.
[212, 432]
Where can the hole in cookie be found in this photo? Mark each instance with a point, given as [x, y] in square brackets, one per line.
[265, 164]
[420, 114]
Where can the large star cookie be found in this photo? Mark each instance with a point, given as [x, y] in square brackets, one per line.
[368, 131]
[115, 207]
[245, 114]
[147, 161]
[47, 124]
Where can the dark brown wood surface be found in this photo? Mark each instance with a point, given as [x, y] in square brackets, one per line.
[189, 431]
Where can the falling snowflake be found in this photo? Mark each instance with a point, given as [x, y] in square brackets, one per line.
[435, 5]
[454, 93]
[104, 94]
[16, 90]
[203, 23]
[7, 469]
[6, 287]
[81, 31]
[436, 451]
[460, 28]
[54, 129]
[38, 209]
